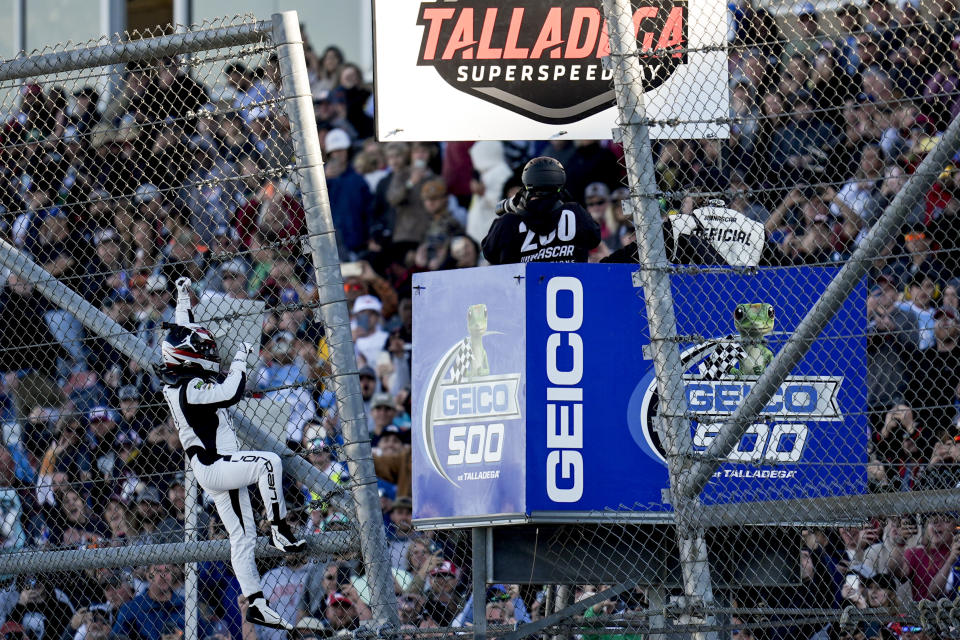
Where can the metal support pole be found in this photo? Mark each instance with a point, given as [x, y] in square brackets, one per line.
[332, 311]
[182, 15]
[562, 605]
[333, 542]
[656, 601]
[113, 19]
[191, 582]
[817, 318]
[113, 26]
[674, 428]
[19, 28]
[480, 537]
[118, 53]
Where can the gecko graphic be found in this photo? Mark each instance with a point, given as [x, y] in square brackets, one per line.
[477, 326]
[753, 322]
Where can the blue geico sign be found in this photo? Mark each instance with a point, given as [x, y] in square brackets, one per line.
[555, 407]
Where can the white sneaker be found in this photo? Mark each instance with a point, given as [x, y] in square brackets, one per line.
[259, 612]
[282, 538]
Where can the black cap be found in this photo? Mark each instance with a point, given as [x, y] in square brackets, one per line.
[544, 173]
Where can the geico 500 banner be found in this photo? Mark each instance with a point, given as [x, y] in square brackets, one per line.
[532, 393]
[533, 69]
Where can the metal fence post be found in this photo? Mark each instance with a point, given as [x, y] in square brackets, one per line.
[655, 280]
[563, 600]
[479, 583]
[191, 583]
[333, 312]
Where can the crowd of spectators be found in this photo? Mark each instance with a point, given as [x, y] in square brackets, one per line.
[181, 174]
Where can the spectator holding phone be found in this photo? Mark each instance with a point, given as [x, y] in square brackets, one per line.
[607, 608]
[422, 557]
[927, 566]
[899, 532]
[42, 610]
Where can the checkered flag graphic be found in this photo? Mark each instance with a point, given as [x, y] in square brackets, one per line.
[462, 361]
[726, 355]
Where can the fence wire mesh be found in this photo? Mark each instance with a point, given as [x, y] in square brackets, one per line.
[126, 168]
[120, 179]
[833, 108]
[831, 515]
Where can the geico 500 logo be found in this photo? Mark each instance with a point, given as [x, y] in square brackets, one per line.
[466, 407]
[475, 444]
[781, 437]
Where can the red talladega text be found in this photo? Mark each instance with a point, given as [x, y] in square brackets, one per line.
[573, 33]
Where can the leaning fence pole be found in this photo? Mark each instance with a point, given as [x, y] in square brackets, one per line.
[136, 349]
[18, 561]
[655, 279]
[332, 311]
[823, 310]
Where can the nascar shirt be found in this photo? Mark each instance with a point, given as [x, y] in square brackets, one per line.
[569, 236]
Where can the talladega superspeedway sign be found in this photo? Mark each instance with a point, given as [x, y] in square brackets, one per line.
[533, 69]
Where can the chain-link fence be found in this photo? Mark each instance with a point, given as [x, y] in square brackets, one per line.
[807, 370]
[127, 168]
[826, 245]
[798, 284]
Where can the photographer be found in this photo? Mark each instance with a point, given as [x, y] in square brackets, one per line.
[902, 442]
[539, 224]
[936, 373]
[899, 533]
[898, 425]
[892, 334]
[942, 472]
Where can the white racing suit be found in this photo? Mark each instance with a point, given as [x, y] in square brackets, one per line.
[199, 408]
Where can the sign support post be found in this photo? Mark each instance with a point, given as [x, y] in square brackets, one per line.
[654, 276]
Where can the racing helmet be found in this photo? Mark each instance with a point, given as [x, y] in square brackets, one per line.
[543, 175]
[187, 347]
